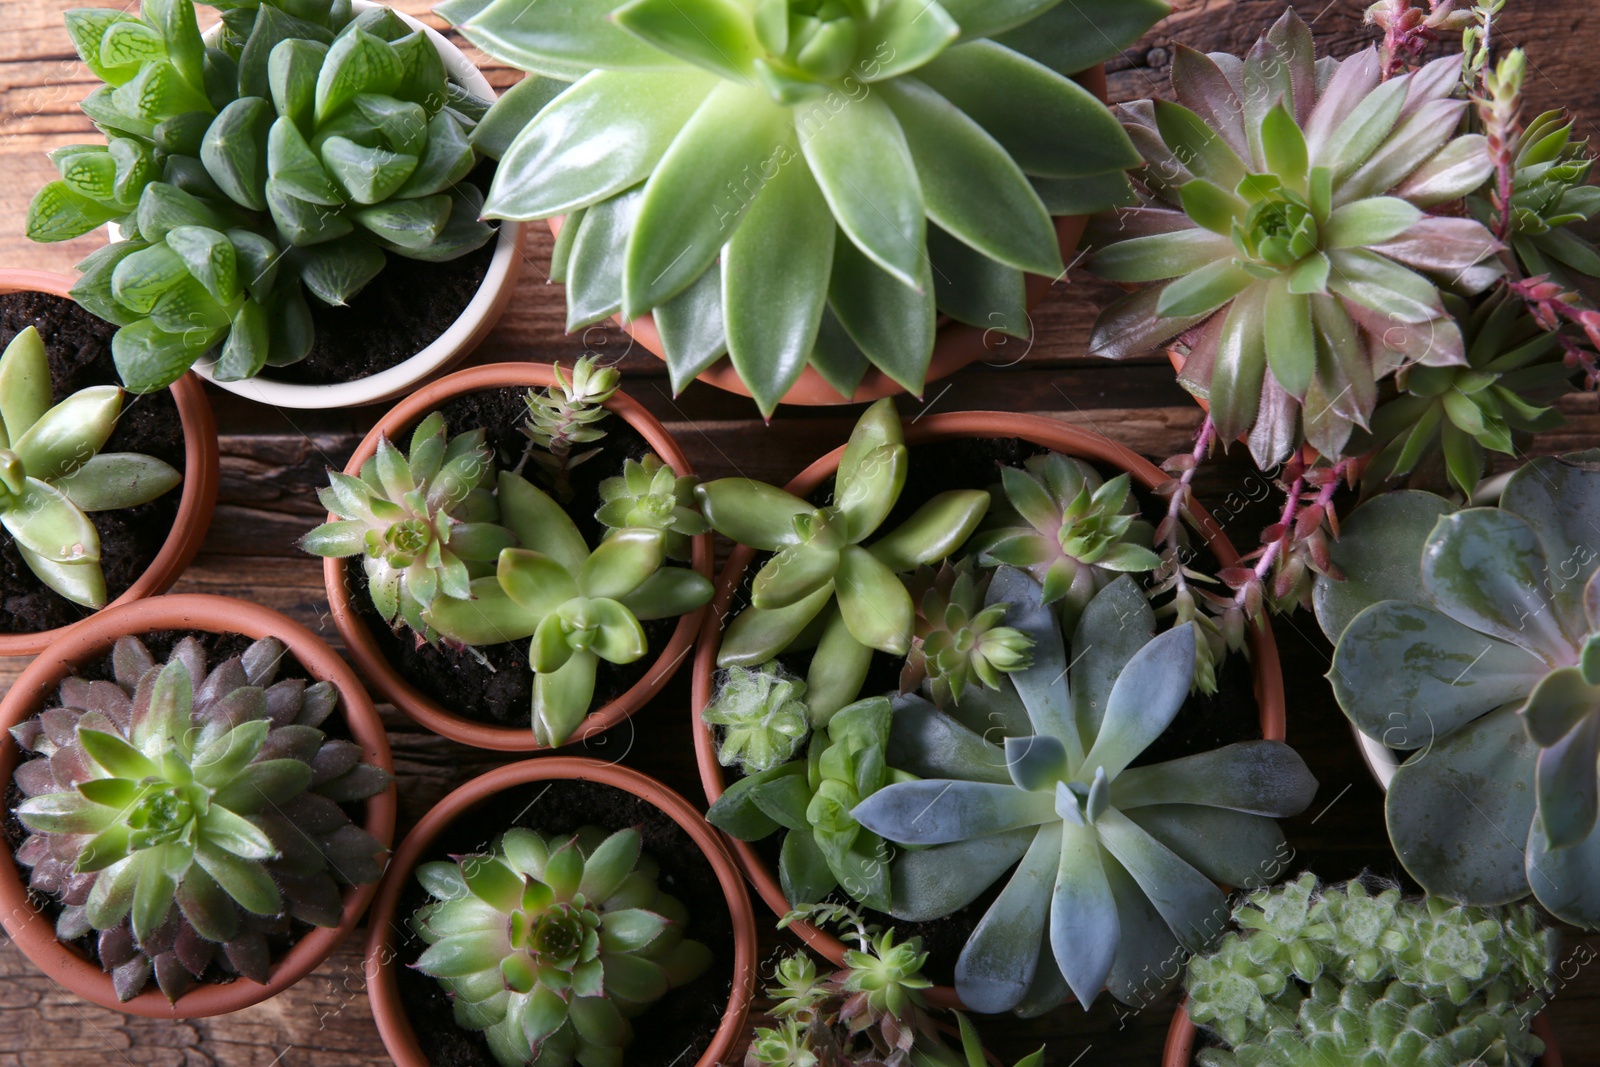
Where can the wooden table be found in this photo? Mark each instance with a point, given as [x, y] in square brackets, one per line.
[273, 460]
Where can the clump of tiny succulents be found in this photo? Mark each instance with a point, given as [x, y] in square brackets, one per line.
[1469, 638]
[871, 1011]
[548, 944]
[183, 816]
[1344, 975]
[959, 641]
[767, 124]
[462, 552]
[295, 154]
[1373, 257]
[53, 474]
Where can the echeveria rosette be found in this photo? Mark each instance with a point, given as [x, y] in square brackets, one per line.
[53, 473]
[760, 717]
[857, 166]
[959, 640]
[1119, 865]
[1069, 529]
[825, 847]
[186, 816]
[1458, 414]
[1466, 638]
[423, 523]
[825, 587]
[549, 944]
[580, 606]
[1287, 232]
[650, 495]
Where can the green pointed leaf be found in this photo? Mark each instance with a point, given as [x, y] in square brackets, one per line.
[561, 700]
[893, 325]
[246, 881]
[209, 258]
[569, 39]
[337, 270]
[875, 605]
[934, 531]
[357, 62]
[111, 481]
[715, 34]
[234, 151]
[24, 385]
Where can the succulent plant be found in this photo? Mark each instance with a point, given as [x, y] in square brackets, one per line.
[185, 815]
[1069, 529]
[762, 717]
[579, 606]
[649, 495]
[1286, 224]
[549, 945]
[423, 524]
[825, 587]
[959, 641]
[1118, 864]
[1342, 975]
[766, 127]
[53, 472]
[565, 415]
[1552, 203]
[825, 848]
[1462, 412]
[295, 153]
[1467, 638]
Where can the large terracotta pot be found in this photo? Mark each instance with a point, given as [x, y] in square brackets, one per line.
[1179, 1051]
[1035, 429]
[382, 953]
[371, 660]
[959, 345]
[199, 490]
[92, 640]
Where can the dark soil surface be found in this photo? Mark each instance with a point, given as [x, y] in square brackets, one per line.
[498, 687]
[400, 312]
[79, 348]
[677, 1028]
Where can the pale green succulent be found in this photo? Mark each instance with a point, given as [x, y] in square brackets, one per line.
[566, 415]
[650, 495]
[762, 717]
[959, 641]
[53, 473]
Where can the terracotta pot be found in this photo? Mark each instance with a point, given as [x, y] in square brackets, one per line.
[424, 709]
[1179, 1051]
[91, 640]
[1038, 430]
[958, 345]
[458, 341]
[382, 988]
[198, 495]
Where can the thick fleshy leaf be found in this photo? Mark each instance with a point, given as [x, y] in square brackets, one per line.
[715, 34]
[24, 385]
[1241, 361]
[1256, 777]
[539, 522]
[751, 512]
[1043, 686]
[1160, 256]
[1569, 792]
[69, 432]
[997, 965]
[489, 618]
[1117, 623]
[1561, 501]
[903, 36]
[974, 289]
[893, 325]
[838, 669]
[936, 812]
[1563, 879]
[929, 884]
[246, 881]
[756, 636]
[1379, 552]
[1073, 37]
[934, 531]
[1145, 699]
[561, 700]
[1186, 899]
[1084, 928]
[1229, 847]
[930, 744]
[874, 603]
[692, 330]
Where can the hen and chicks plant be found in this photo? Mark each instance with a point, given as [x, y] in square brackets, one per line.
[548, 944]
[960, 642]
[182, 816]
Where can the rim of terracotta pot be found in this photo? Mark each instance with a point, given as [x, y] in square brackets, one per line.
[1179, 1049]
[424, 709]
[383, 991]
[1038, 430]
[959, 345]
[198, 497]
[92, 639]
[459, 340]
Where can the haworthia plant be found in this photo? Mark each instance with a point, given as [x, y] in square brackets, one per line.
[1115, 866]
[1471, 639]
[801, 183]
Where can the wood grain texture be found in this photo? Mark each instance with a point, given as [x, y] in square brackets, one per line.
[273, 461]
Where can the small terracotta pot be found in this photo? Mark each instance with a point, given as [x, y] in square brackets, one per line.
[358, 637]
[958, 345]
[92, 640]
[1035, 429]
[1179, 1051]
[382, 955]
[200, 476]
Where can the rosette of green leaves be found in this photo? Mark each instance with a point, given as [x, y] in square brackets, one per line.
[548, 944]
[1552, 204]
[807, 183]
[825, 587]
[1344, 975]
[580, 606]
[762, 717]
[960, 641]
[650, 495]
[1286, 231]
[825, 848]
[1069, 529]
[1461, 413]
[1118, 864]
[1467, 638]
[424, 524]
[187, 815]
[53, 473]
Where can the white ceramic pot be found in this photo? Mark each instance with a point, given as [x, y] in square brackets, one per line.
[464, 335]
